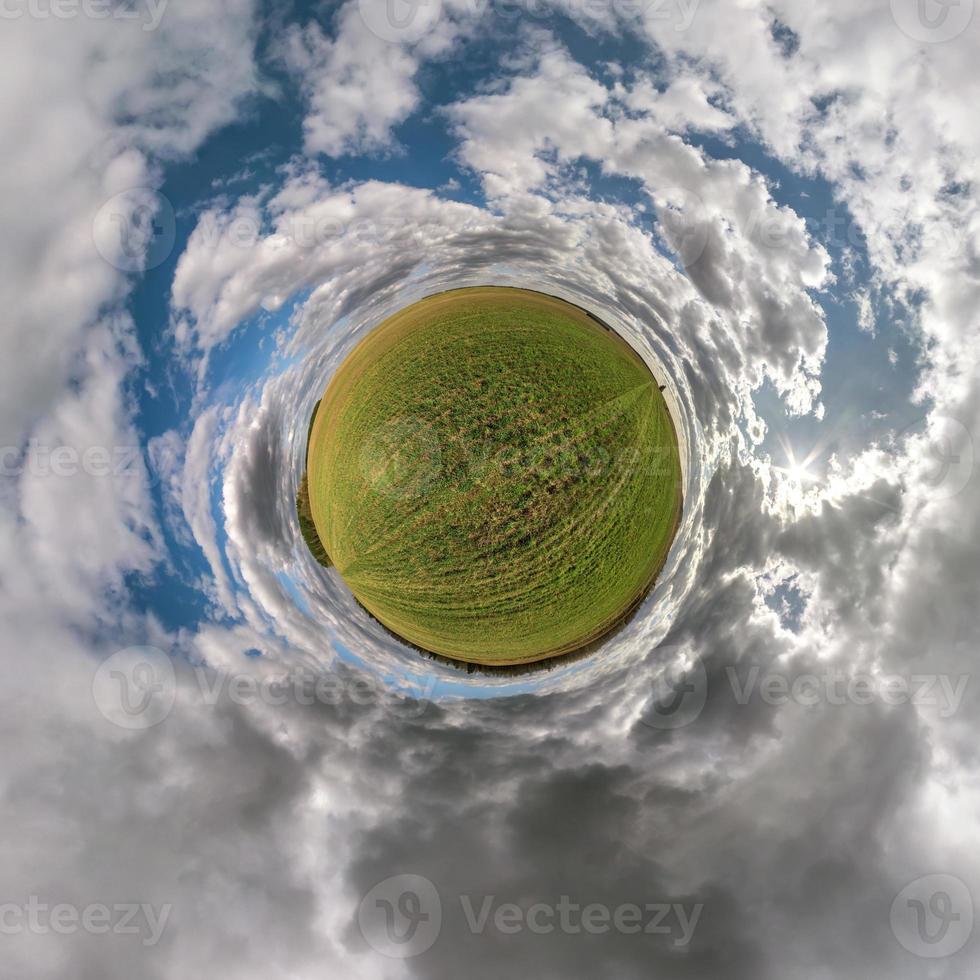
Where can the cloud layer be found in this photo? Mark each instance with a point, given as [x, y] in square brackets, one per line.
[667, 168]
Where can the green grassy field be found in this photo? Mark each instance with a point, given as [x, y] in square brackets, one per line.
[495, 475]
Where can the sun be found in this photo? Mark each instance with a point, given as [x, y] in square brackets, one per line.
[797, 485]
[797, 470]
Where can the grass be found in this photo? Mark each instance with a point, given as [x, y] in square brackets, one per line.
[495, 475]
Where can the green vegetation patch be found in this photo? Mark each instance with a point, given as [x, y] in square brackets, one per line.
[307, 525]
[304, 512]
[495, 475]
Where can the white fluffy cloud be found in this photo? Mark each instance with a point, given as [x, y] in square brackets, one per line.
[358, 84]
